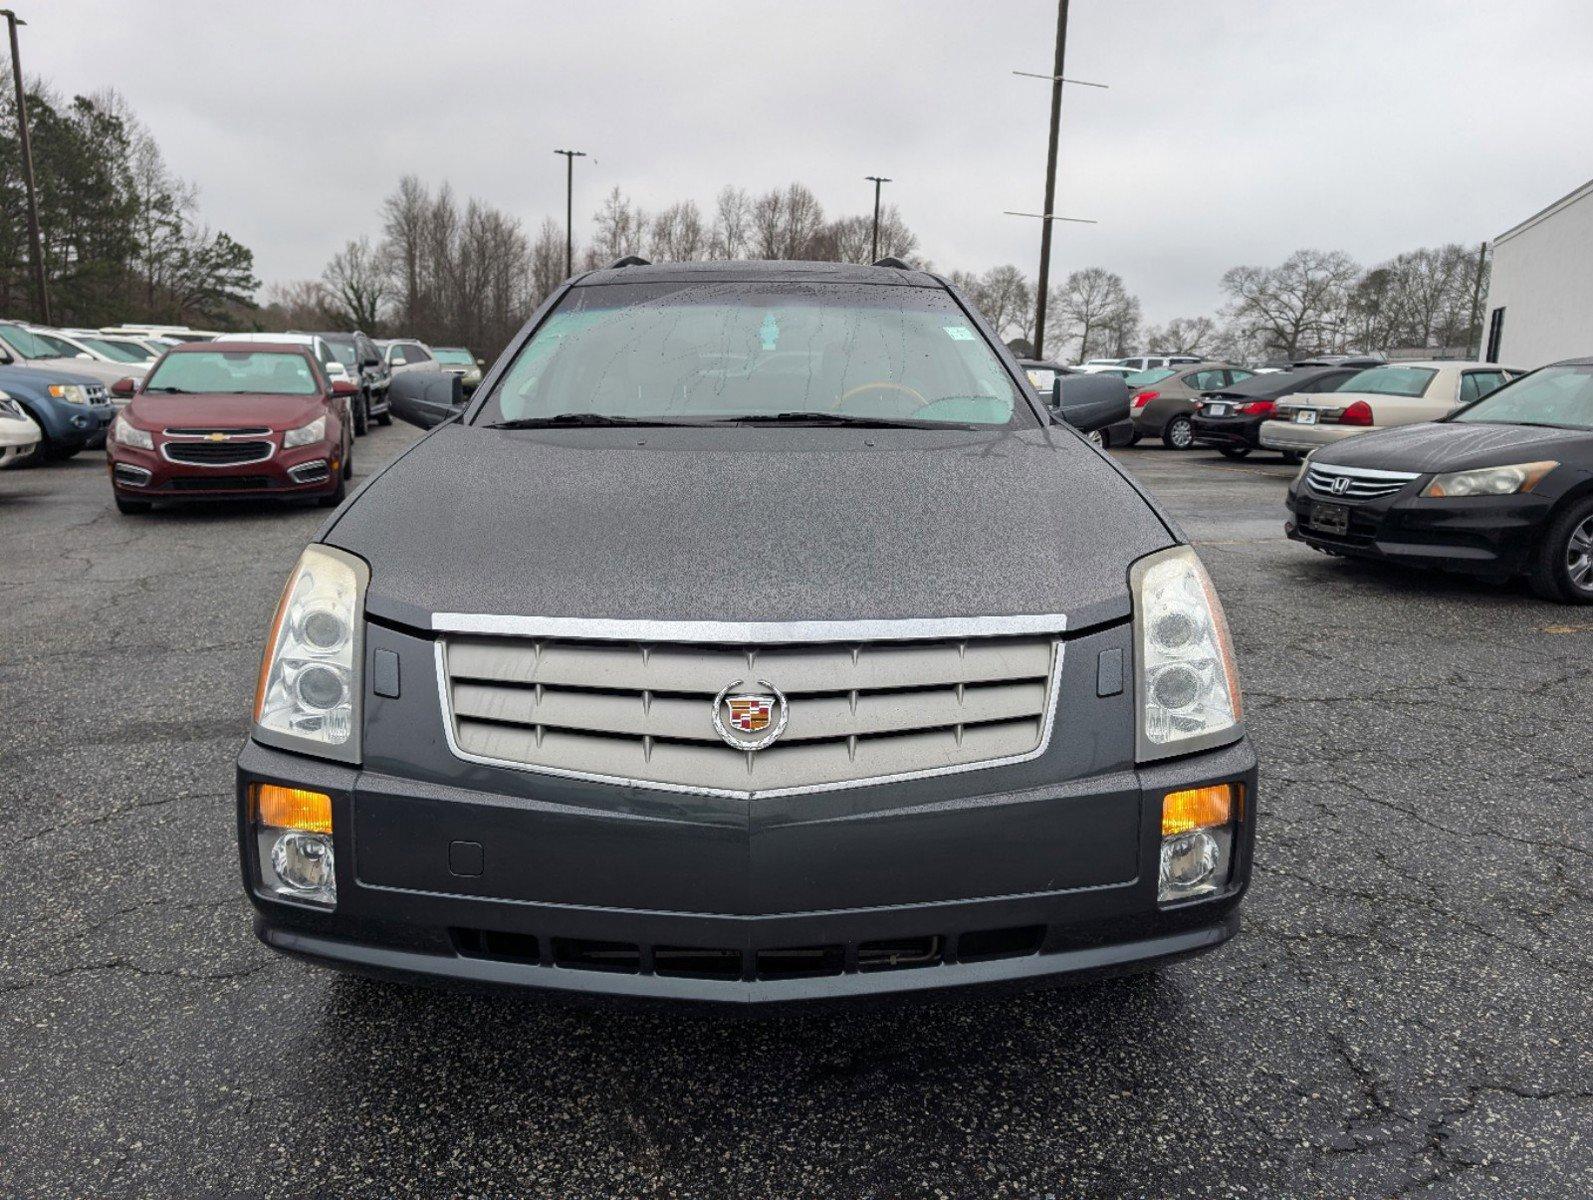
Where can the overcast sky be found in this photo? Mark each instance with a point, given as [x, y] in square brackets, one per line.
[1234, 131]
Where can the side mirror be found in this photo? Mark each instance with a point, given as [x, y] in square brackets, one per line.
[1091, 402]
[124, 387]
[426, 398]
[370, 362]
[342, 387]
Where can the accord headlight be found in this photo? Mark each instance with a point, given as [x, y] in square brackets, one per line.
[126, 433]
[1490, 481]
[1188, 690]
[72, 393]
[305, 435]
[308, 698]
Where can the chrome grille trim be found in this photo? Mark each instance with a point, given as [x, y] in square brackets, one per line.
[166, 449]
[749, 632]
[262, 431]
[614, 729]
[1364, 482]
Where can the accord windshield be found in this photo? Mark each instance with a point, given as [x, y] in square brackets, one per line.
[457, 358]
[257, 372]
[1390, 381]
[1556, 396]
[717, 351]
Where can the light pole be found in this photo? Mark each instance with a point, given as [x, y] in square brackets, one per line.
[40, 286]
[876, 180]
[569, 208]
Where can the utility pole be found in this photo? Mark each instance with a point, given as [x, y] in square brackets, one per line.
[1474, 331]
[41, 287]
[877, 180]
[569, 208]
[1050, 179]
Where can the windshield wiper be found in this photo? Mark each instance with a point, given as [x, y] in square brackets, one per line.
[835, 418]
[577, 419]
[173, 391]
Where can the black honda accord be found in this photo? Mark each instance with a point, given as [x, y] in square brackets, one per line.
[1502, 488]
[753, 634]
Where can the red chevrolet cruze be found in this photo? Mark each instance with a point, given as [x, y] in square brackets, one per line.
[231, 419]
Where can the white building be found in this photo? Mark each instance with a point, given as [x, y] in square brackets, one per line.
[1540, 295]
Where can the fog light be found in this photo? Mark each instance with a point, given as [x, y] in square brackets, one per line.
[303, 862]
[1194, 864]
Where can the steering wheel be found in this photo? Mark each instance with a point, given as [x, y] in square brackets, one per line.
[883, 386]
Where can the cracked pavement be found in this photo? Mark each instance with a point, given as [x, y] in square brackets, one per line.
[1406, 1012]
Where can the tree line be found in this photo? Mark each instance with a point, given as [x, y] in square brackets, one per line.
[1314, 302]
[122, 236]
[455, 272]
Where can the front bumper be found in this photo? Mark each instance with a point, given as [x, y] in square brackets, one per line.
[1480, 535]
[304, 471]
[567, 910]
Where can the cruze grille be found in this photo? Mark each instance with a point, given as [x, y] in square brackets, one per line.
[643, 713]
[217, 454]
[1359, 484]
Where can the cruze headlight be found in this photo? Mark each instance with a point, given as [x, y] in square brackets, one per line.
[72, 393]
[126, 433]
[308, 698]
[1188, 689]
[1490, 481]
[305, 435]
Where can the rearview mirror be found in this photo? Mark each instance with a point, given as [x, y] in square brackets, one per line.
[124, 387]
[342, 387]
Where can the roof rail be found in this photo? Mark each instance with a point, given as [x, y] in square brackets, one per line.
[892, 262]
[630, 260]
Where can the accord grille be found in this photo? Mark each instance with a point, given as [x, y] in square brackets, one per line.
[1356, 483]
[642, 713]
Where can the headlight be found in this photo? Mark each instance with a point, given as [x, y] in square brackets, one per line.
[1490, 481]
[305, 435]
[70, 392]
[1188, 690]
[128, 434]
[308, 698]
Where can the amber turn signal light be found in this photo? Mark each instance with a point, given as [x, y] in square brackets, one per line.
[1198, 808]
[292, 808]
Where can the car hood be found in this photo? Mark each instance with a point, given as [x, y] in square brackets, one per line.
[40, 378]
[98, 371]
[250, 410]
[755, 524]
[1451, 446]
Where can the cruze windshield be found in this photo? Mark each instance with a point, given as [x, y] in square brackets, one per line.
[1561, 396]
[690, 352]
[268, 372]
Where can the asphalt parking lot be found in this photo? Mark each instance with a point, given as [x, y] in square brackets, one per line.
[1406, 1012]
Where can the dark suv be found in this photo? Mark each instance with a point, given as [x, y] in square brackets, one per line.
[753, 635]
[368, 367]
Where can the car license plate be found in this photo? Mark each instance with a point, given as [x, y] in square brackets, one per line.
[1305, 416]
[1330, 518]
[1217, 410]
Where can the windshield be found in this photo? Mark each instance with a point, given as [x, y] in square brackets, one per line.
[719, 351]
[1390, 381]
[1552, 396]
[1141, 378]
[460, 358]
[28, 344]
[343, 349]
[119, 351]
[271, 372]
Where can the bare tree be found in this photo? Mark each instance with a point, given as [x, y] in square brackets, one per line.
[621, 228]
[1182, 335]
[1003, 295]
[301, 304]
[404, 216]
[678, 234]
[785, 223]
[358, 285]
[547, 260]
[1296, 307]
[732, 231]
[1094, 309]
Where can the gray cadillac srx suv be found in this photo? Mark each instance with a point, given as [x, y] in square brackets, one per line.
[753, 634]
